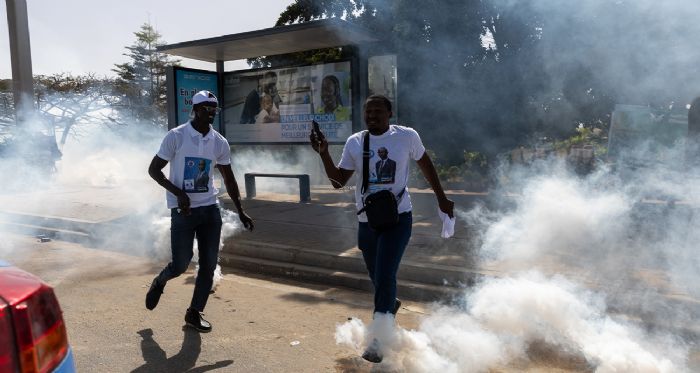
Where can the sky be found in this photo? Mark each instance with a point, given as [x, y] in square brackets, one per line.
[80, 37]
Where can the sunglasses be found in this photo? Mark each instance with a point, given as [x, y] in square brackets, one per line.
[212, 109]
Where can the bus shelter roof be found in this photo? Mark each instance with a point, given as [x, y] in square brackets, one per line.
[325, 33]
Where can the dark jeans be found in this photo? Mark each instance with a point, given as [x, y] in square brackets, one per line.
[382, 252]
[205, 224]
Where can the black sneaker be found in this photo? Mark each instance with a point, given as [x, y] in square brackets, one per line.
[397, 306]
[153, 295]
[194, 319]
[372, 353]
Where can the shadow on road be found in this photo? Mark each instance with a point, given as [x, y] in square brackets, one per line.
[358, 300]
[357, 365]
[183, 361]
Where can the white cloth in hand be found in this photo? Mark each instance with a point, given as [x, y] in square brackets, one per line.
[448, 224]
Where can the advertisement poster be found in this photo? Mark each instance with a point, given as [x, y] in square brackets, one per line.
[187, 83]
[278, 105]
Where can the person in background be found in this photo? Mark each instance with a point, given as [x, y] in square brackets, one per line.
[194, 210]
[267, 113]
[382, 250]
[252, 107]
[332, 102]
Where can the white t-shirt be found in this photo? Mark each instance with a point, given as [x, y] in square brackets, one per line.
[193, 158]
[390, 156]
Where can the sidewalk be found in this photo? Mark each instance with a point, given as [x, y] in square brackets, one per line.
[317, 241]
[314, 242]
[79, 213]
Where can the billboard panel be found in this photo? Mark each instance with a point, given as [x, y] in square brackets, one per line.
[277, 105]
[187, 83]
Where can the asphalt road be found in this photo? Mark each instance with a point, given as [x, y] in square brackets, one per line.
[261, 324]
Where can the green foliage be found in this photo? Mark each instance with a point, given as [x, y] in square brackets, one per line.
[483, 97]
[469, 174]
[308, 10]
[300, 58]
[585, 136]
[304, 11]
[5, 85]
[475, 162]
[474, 170]
[140, 82]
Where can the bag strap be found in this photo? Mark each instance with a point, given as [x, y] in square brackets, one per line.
[398, 196]
[365, 163]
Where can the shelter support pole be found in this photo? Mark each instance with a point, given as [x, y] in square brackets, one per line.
[21, 57]
[220, 84]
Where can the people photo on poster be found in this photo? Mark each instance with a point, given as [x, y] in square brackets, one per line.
[278, 105]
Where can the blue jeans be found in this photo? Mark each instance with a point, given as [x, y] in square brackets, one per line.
[382, 252]
[205, 224]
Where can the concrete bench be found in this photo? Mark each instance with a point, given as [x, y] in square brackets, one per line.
[304, 184]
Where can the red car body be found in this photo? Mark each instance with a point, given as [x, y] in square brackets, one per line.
[32, 331]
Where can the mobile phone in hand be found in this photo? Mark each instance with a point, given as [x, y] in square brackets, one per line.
[316, 129]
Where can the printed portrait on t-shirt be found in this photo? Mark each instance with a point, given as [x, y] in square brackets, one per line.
[196, 175]
[385, 168]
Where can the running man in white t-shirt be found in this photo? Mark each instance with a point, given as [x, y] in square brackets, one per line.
[392, 148]
[193, 150]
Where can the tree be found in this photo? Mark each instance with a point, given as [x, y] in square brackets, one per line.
[439, 51]
[305, 11]
[66, 101]
[493, 74]
[62, 101]
[7, 107]
[140, 82]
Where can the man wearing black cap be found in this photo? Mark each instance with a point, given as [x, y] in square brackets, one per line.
[190, 149]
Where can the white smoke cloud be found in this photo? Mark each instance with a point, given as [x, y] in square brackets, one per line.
[102, 172]
[501, 318]
[639, 48]
[554, 214]
[278, 159]
[576, 255]
[231, 225]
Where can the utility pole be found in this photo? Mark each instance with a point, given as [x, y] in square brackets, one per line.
[21, 56]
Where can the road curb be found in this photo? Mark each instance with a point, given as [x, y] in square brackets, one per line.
[360, 281]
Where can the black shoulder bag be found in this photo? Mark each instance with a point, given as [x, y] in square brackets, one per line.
[382, 207]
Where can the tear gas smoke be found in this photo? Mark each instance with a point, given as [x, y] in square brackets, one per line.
[230, 226]
[595, 265]
[640, 50]
[582, 260]
[101, 184]
[277, 159]
[486, 75]
[500, 319]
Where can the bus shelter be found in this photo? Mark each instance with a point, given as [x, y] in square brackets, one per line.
[276, 105]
